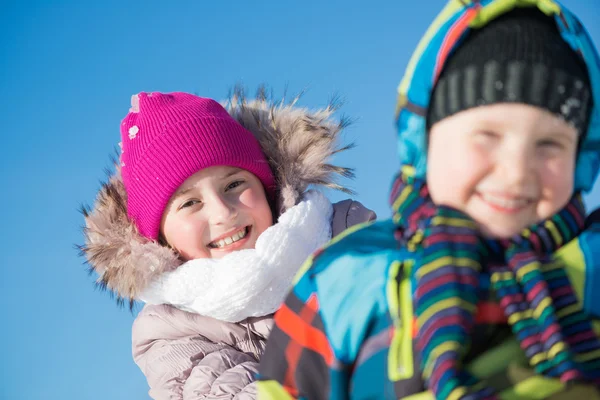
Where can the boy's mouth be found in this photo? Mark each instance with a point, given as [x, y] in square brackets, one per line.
[226, 241]
[505, 203]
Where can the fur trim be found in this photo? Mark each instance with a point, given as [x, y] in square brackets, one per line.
[298, 144]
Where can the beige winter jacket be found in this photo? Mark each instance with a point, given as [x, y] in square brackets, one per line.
[186, 356]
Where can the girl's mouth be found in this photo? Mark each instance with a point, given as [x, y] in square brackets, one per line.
[232, 241]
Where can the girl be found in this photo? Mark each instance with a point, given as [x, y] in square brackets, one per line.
[207, 220]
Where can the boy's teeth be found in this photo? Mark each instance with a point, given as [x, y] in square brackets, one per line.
[230, 239]
[504, 202]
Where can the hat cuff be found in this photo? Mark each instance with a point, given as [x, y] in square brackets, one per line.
[514, 82]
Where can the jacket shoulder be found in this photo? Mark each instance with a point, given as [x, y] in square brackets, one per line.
[348, 213]
[156, 322]
[350, 279]
[360, 244]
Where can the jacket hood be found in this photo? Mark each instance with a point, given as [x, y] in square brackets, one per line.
[444, 34]
[298, 143]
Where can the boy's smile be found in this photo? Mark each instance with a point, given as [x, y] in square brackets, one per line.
[505, 202]
[507, 165]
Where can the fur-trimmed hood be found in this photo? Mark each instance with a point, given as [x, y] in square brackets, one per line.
[445, 34]
[298, 143]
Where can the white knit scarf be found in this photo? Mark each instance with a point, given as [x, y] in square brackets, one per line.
[252, 282]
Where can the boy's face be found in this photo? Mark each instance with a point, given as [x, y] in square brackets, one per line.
[507, 165]
[216, 211]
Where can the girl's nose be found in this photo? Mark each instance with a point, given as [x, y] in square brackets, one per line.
[221, 210]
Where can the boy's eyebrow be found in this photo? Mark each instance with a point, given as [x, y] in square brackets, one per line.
[563, 135]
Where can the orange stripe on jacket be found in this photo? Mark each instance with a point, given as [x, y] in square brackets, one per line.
[452, 36]
[302, 335]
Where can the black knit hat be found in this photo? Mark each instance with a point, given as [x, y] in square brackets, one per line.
[518, 57]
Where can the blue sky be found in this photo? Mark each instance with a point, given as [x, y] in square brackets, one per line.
[67, 71]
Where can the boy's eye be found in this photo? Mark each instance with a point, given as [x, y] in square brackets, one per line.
[234, 184]
[487, 134]
[486, 137]
[550, 144]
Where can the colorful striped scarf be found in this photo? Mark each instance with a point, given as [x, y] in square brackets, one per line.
[533, 290]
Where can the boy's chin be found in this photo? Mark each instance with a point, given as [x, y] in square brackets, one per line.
[500, 232]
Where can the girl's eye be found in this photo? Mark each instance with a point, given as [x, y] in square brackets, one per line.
[234, 184]
[189, 203]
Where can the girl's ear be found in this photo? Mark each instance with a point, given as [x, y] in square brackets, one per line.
[273, 206]
[163, 241]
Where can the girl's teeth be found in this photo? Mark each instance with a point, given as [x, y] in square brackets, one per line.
[231, 239]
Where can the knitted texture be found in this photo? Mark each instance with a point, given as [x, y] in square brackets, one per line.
[166, 138]
[518, 57]
[533, 290]
[251, 282]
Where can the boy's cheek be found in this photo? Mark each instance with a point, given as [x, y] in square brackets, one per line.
[558, 179]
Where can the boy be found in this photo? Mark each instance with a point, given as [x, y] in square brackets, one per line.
[480, 286]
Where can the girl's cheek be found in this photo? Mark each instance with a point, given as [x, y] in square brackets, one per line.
[250, 198]
[187, 232]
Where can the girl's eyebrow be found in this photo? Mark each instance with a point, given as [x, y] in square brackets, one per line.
[182, 192]
[231, 173]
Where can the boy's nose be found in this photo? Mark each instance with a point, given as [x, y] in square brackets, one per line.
[516, 168]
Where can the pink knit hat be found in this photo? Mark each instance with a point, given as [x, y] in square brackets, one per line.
[168, 137]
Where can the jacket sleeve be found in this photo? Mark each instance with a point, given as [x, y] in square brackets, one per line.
[330, 338]
[190, 367]
[589, 272]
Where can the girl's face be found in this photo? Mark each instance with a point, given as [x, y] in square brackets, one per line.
[508, 166]
[216, 211]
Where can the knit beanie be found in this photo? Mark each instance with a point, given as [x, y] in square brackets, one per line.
[519, 57]
[168, 137]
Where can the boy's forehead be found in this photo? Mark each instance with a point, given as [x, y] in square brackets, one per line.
[518, 117]
[542, 81]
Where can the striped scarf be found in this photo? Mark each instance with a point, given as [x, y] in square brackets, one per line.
[533, 290]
